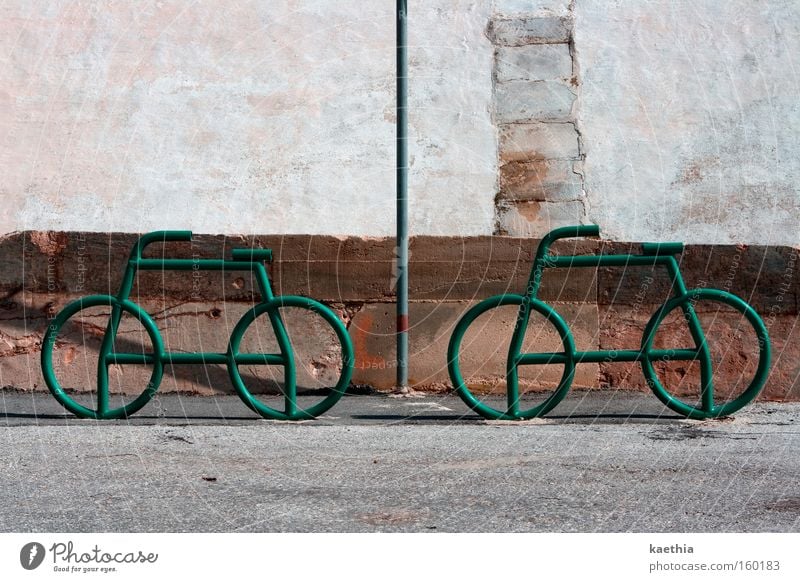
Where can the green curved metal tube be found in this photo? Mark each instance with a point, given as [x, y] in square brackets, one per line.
[653, 254]
[157, 357]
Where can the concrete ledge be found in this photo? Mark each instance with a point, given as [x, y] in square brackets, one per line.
[606, 308]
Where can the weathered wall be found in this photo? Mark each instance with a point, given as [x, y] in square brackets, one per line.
[689, 118]
[657, 120]
[262, 117]
[663, 120]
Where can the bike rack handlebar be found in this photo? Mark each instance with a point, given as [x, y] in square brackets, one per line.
[159, 236]
[565, 232]
[572, 232]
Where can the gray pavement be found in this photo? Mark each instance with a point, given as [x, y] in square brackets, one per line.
[601, 461]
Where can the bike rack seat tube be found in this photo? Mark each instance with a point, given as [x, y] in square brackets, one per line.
[542, 253]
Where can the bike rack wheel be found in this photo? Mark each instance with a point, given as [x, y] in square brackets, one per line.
[235, 358]
[567, 358]
[153, 358]
[712, 410]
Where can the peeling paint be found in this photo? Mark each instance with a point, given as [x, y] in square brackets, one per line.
[274, 119]
[689, 119]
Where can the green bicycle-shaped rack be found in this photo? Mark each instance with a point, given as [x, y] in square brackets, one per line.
[242, 260]
[654, 254]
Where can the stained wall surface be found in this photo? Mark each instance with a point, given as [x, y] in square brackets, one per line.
[690, 118]
[658, 120]
[246, 117]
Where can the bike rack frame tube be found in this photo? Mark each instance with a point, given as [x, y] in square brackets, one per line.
[402, 195]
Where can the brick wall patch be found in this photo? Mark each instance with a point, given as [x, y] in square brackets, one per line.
[536, 86]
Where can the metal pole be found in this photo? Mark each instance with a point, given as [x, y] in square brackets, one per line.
[402, 195]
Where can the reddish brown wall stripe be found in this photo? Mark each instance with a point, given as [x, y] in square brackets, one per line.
[402, 323]
[606, 309]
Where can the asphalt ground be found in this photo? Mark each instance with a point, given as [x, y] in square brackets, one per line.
[600, 462]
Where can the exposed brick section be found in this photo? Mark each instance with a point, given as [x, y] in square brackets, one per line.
[522, 142]
[539, 7]
[531, 218]
[519, 31]
[533, 62]
[521, 101]
[536, 87]
[607, 309]
[541, 180]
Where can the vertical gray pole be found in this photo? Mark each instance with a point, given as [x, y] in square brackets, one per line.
[402, 195]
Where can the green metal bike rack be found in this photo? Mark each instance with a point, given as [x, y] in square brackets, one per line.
[242, 260]
[653, 254]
